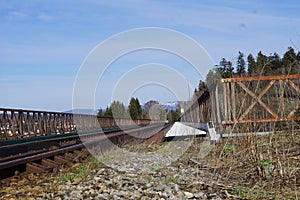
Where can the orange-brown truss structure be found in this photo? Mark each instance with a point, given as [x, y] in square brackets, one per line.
[233, 87]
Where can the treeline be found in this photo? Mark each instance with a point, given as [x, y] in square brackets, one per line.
[152, 110]
[261, 65]
[118, 110]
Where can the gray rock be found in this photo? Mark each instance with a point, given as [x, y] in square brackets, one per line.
[188, 195]
[150, 193]
[159, 188]
[148, 185]
[97, 179]
[165, 195]
[199, 195]
[76, 194]
[176, 187]
[126, 180]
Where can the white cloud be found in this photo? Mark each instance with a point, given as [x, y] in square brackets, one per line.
[17, 15]
[46, 17]
[46, 53]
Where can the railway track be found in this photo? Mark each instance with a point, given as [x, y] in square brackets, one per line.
[48, 154]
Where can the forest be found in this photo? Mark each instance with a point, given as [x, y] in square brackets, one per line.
[261, 65]
[151, 110]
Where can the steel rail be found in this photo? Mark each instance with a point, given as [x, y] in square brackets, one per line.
[92, 141]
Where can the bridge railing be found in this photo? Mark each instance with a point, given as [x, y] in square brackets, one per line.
[249, 104]
[18, 123]
[15, 123]
[261, 103]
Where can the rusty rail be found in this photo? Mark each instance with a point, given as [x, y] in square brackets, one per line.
[36, 161]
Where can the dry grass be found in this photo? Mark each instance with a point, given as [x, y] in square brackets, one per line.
[258, 167]
[250, 167]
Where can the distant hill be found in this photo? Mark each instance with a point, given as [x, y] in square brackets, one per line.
[168, 106]
[171, 105]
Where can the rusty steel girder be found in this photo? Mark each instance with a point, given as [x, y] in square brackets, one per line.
[251, 101]
[18, 123]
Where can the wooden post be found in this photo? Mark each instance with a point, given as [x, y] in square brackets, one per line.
[281, 98]
[229, 102]
[233, 101]
[218, 107]
[225, 102]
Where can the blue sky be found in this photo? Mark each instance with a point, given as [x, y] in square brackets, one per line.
[43, 43]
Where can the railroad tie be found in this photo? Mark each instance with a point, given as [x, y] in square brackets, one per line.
[50, 163]
[37, 168]
[61, 160]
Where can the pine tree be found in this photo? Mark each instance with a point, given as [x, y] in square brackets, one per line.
[252, 67]
[298, 57]
[134, 108]
[173, 116]
[118, 109]
[289, 61]
[241, 65]
[225, 69]
[108, 112]
[275, 64]
[263, 64]
[230, 69]
[100, 113]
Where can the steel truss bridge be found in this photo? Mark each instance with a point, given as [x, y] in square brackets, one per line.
[17, 123]
[243, 104]
[249, 104]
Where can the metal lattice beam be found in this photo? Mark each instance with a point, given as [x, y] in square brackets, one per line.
[231, 116]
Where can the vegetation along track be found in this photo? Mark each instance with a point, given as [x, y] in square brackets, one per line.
[48, 154]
